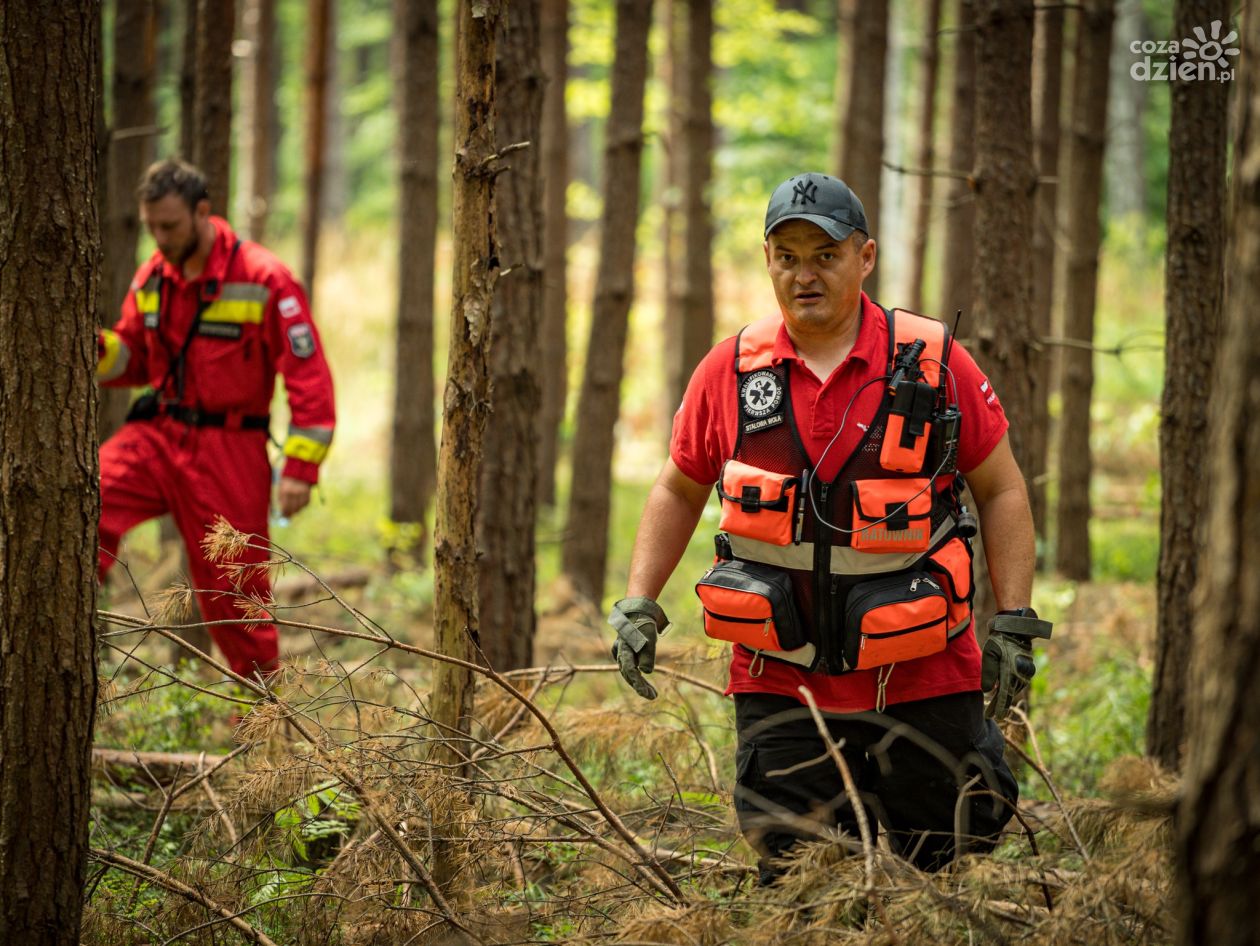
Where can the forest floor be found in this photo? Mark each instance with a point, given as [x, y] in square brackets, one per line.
[278, 841]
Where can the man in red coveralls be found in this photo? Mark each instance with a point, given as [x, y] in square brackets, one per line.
[803, 401]
[208, 322]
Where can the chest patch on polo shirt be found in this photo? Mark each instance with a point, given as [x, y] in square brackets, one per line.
[301, 340]
[761, 400]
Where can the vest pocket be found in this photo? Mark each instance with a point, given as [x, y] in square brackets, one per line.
[750, 604]
[757, 504]
[893, 515]
[895, 618]
[951, 563]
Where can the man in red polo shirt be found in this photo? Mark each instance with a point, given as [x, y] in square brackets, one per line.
[208, 323]
[844, 568]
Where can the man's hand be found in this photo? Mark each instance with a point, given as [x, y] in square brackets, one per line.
[638, 622]
[1007, 665]
[292, 495]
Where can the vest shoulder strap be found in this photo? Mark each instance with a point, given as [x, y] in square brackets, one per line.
[755, 347]
[905, 326]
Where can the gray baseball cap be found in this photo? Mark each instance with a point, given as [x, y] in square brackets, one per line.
[822, 200]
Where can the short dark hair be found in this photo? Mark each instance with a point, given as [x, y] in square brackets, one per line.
[173, 176]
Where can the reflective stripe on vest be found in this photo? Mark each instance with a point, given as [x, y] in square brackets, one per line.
[238, 303]
[115, 354]
[844, 560]
[309, 444]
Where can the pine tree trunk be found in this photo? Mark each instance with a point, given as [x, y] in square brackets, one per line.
[586, 541]
[475, 270]
[1218, 832]
[1125, 172]
[555, 173]
[673, 69]
[958, 288]
[212, 141]
[256, 181]
[506, 526]
[413, 455]
[862, 142]
[49, 492]
[1193, 286]
[130, 150]
[188, 82]
[697, 274]
[1047, 98]
[927, 154]
[1082, 209]
[316, 127]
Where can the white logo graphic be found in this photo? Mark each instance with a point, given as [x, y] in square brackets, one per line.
[760, 393]
[1198, 58]
[289, 307]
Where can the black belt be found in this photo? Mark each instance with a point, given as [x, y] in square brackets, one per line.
[194, 417]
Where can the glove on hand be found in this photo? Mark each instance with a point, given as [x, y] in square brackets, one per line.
[1007, 664]
[638, 622]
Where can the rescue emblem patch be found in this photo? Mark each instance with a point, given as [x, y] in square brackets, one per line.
[760, 394]
[290, 307]
[301, 340]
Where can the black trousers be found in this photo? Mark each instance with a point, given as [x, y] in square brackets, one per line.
[910, 763]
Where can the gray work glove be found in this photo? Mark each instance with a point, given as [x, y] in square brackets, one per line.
[638, 622]
[1007, 666]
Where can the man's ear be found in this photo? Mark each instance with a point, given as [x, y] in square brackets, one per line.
[869, 254]
[766, 247]
[202, 210]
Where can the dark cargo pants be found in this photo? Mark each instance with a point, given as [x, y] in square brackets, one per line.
[910, 765]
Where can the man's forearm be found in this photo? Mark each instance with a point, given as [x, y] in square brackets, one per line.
[1009, 547]
[669, 519]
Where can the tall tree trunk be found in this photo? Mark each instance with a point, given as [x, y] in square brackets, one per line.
[673, 68]
[1218, 832]
[1193, 286]
[130, 149]
[1047, 99]
[586, 540]
[49, 493]
[958, 288]
[212, 141]
[467, 400]
[257, 167]
[1124, 175]
[697, 274]
[506, 526]
[316, 118]
[413, 456]
[1082, 207]
[927, 154]
[862, 142]
[188, 82]
[555, 173]
[335, 192]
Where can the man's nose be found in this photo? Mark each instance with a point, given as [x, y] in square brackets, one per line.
[806, 274]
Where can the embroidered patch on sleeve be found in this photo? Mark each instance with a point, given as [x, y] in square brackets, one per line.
[301, 340]
[990, 396]
[290, 307]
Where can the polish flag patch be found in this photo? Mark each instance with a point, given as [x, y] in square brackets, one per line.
[290, 307]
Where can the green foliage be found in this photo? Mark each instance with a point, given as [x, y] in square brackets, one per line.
[326, 811]
[161, 716]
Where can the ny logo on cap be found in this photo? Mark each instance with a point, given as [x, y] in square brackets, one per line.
[805, 191]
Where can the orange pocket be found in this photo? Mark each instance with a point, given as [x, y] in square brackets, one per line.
[952, 562]
[750, 604]
[893, 619]
[757, 504]
[909, 429]
[892, 515]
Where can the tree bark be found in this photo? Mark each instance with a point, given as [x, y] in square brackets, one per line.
[673, 69]
[586, 541]
[188, 82]
[958, 288]
[413, 455]
[1218, 830]
[697, 275]
[1082, 208]
[212, 141]
[49, 494]
[555, 173]
[316, 118]
[1047, 99]
[1193, 287]
[927, 154]
[130, 150]
[862, 142]
[467, 401]
[257, 164]
[506, 528]
[1125, 172]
